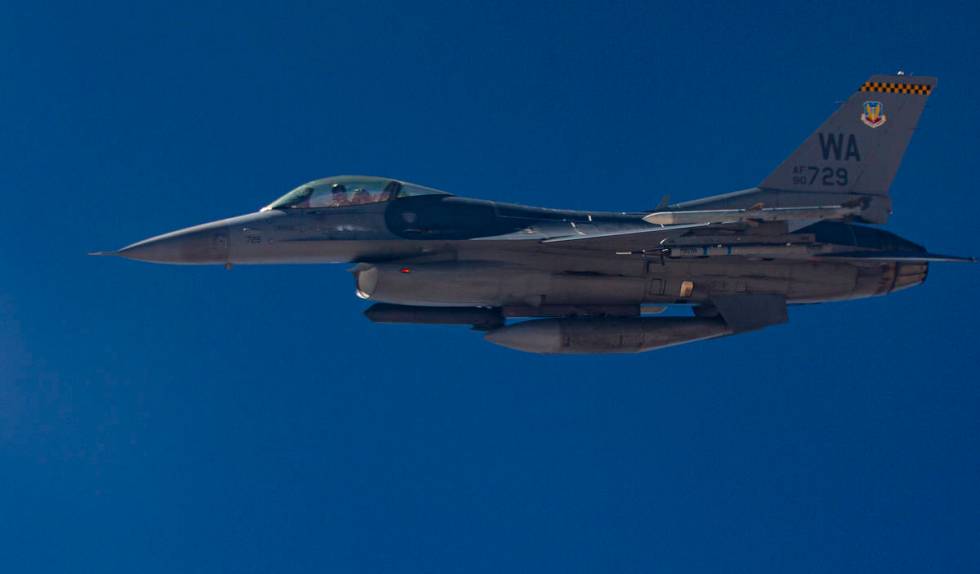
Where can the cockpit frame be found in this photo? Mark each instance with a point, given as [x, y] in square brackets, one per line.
[347, 191]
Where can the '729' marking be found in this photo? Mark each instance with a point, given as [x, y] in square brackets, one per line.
[816, 175]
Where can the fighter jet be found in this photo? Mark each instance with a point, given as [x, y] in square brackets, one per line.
[592, 281]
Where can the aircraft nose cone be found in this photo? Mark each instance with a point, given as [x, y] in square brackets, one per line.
[201, 244]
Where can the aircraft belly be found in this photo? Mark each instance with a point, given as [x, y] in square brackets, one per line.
[497, 284]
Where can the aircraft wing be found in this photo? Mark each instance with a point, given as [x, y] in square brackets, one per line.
[653, 232]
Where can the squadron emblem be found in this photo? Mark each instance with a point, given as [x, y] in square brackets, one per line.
[874, 114]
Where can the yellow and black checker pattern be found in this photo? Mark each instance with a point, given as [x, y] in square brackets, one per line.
[896, 88]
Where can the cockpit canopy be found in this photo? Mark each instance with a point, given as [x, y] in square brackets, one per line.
[347, 190]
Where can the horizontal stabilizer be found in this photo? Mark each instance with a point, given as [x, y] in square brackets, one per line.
[899, 256]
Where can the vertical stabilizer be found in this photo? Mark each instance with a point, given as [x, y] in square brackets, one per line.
[853, 156]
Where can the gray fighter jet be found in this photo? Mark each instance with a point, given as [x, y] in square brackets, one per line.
[590, 280]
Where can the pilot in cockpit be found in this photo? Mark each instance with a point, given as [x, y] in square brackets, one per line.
[361, 196]
[338, 195]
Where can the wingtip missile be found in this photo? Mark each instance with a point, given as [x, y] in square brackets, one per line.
[757, 212]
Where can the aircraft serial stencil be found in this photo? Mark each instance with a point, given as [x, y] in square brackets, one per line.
[589, 280]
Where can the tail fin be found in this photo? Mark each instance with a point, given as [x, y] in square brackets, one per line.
[858, 149]
[852, 156]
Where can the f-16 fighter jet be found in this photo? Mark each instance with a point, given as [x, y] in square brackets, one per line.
[589, 280]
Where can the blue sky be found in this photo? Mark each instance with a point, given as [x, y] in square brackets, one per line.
[162, 419]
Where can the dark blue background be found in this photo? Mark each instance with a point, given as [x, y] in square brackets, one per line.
[162, 419]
